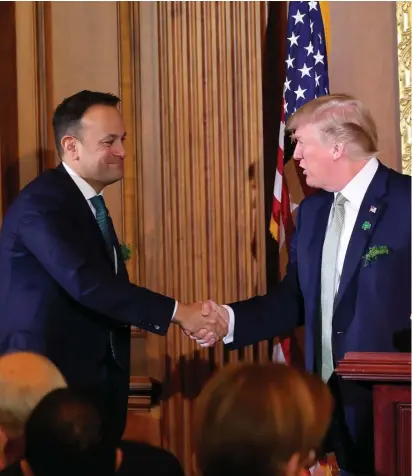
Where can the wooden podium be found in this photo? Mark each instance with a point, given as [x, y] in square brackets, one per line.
[391, 377]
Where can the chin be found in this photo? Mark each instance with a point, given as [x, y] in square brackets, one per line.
[309, 181]
[312, 183]
[113, 179]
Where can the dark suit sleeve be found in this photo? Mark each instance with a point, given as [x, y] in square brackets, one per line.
[276, 313]
[88, 280]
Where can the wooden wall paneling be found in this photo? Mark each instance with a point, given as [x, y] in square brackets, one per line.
[152, 255]
[85, 48]
[128, 58]
[143, 422]
[44, 85]
[197, 179]
[211, 135]
[9, 174]
[28, 124]
[355, 69]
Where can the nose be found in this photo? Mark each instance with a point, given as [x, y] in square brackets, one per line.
[118, 150]
[297, 154]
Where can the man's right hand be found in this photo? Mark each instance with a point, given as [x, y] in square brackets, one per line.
[203, 337]
[200, 321]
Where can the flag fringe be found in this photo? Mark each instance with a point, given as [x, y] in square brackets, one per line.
[274, 229]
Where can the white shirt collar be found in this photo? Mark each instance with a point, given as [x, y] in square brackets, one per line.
[355, 190]
[87, 190]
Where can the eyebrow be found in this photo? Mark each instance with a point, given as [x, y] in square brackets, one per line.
[113, 136]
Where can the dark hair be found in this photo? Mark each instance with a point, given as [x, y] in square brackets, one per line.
[65, 435]
[68, 114]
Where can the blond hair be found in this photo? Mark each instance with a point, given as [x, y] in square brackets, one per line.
[25, 378]
[251, 419]
[343, 119]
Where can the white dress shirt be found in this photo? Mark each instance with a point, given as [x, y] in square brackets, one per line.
[354, 192]
[89, 192]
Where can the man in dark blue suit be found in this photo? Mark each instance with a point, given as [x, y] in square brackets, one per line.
[349, 272]
[64, 288]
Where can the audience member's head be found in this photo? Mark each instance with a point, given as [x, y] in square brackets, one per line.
[25, 378]
[66, 436]
[260, 420]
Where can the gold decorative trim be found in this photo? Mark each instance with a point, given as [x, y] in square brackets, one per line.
[403, 23]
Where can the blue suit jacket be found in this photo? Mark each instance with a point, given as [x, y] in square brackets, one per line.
[373, 304]
[59, 295]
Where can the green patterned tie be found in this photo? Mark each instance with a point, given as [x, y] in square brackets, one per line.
[102, 217]
[104, 222]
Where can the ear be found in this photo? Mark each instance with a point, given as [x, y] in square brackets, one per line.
[25, 468]
[293, 466]
[70, 147]
[194, 464]
[119, 459]
[337, 151]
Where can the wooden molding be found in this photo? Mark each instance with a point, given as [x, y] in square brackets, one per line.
[137, 333]
[392, 429]
[9, 173]
[142, 393]
[44, 85]
[375, 366]
[127, 77]
[403, 437]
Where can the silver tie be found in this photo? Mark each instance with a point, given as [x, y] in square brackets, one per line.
[329, 281]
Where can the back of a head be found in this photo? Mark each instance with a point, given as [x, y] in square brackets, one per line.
[340, 118]
[65, 435]
[251, 419]
[25, 378]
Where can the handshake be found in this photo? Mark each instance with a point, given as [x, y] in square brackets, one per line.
[205, 322]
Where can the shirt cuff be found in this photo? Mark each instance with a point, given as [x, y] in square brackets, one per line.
[175, 310]
[229, 338]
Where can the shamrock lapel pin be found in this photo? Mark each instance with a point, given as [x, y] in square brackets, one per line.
[366, 225]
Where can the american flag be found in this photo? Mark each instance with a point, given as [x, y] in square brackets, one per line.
[306, 79]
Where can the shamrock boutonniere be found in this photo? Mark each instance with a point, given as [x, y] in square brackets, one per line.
[374, 252]
[126, 252]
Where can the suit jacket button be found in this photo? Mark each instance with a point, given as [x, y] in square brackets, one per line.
[157, 327]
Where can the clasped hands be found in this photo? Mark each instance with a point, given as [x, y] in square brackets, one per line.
[206, 322]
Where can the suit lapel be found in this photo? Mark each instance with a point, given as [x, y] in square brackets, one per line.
[371, 211]
[82, 209]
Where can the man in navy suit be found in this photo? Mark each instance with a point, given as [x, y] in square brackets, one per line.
[64, 288]
[349, 272]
